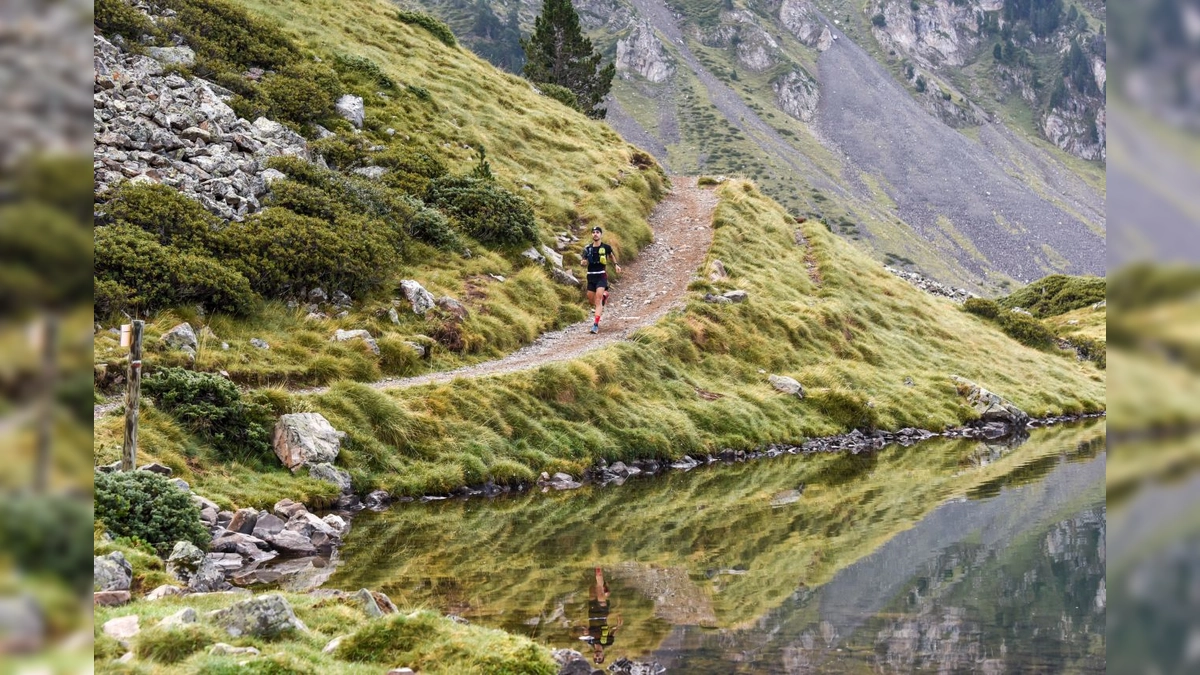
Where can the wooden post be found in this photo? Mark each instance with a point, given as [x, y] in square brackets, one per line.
[133, 395]
[48, 343]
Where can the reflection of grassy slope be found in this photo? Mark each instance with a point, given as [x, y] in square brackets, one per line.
[851, 341]
[522, 557]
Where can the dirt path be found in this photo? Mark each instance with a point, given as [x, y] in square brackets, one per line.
[647, 289]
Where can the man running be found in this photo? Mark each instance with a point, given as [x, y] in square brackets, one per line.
[596, 256]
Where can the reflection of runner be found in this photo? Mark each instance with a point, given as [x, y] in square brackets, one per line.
[599, 632]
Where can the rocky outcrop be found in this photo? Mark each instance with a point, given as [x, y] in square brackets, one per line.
[150, 126]
[1078, 129]
[933, 287]
[797, 94]
[190, 565]
[752, 46]
[941, 33]
[641, 52]
[306, 438]
[798, 17]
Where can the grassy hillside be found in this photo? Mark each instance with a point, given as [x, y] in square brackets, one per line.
[821, 312]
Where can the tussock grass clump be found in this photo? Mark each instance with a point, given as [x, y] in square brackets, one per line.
[434, 644]
[436, 28]
[172, 645]
[1056, 294]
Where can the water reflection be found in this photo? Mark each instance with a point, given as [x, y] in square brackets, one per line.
[950, 554]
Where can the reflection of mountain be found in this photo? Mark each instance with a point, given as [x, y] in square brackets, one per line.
[1013, 583]
[722, 546]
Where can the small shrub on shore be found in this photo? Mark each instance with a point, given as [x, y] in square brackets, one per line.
[1057, 294]
[987, 309]
[144, 505]
[211, 406]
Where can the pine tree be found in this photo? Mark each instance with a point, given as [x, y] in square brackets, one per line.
[558, 53]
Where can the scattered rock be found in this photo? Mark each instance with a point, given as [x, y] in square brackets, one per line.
[372, 172]
[357, 334]
[110, 598]
[787, 385]
[260, 343]
[736, 296]
[367, 601]
[562, 276]
[122, 628]
[222, 649]
[341, 299]
[332, 645]
[181, 337]
[287, 509]
[262, 616]
[164, 591]
[156, 468]
[183, 616]
[534, 255]
[393, 315]
[718, 271]
[554, 257]
[268, 524]
[337, 523]
[453, 307]
[351, 109]
[377, 499]
[188, 564]
[23, 624]
[989, 406]
[306, 438]
[716, 299]
[421, 299]
[111, 572]
[328, 473]
[933, 287]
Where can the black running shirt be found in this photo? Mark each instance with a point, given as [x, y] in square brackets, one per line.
[597, 257]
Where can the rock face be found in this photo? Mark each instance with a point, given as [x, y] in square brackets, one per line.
[992, 408]
[421, 299]
[111, 572]
[641, 52]
[306, 438]
[797, 94]
[152, 127]
[753, 47]
[264, 616]
[798, 17]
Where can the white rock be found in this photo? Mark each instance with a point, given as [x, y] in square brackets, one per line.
[421, 299]
[306, 438]
[122, 628]
[351, 108]
[787, 385]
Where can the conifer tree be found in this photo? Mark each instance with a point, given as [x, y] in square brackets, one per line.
[558, 53]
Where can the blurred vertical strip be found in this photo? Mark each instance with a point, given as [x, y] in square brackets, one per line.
[45, 335]
[1154, 337]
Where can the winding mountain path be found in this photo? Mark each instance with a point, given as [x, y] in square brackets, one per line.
[648, 288]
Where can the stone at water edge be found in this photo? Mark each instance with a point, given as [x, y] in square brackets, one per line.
[330, 474]
[990, 407]
[787, 385]
[243, 521]
[306, 438]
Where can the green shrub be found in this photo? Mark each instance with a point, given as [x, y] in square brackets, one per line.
[879, 21]
[48, 535]
[134, 271]
[1057, 294]
[987, 309]
[1146, 285]
[347, 64]
[211, 406]
[339, 152]
[433, 227]
[117, 17]
[485, 210]
[302, 93]
[920, 84]
[561, 94]
[173, 218]
[229, 40]
[1091, 350]
[1026, 330]
[144, 505]
[410, 171]
[436, 28]
[43, 258]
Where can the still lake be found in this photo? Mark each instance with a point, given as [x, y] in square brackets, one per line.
[948, 555]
